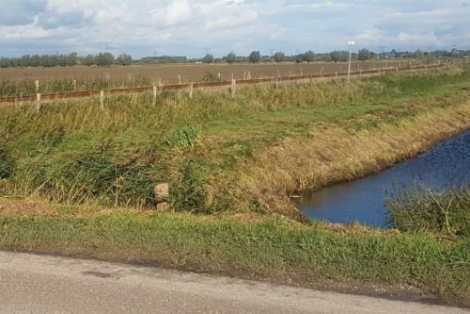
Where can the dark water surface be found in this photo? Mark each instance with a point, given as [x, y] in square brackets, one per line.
[363, 200]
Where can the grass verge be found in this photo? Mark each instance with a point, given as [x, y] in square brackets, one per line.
[275, 249]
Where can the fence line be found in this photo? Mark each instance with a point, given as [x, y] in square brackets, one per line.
[191, 86]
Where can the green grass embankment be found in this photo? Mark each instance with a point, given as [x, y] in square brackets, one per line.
[272, 249]
[227, 154]
[230, 156]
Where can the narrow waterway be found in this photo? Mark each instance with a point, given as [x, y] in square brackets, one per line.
[363, 200]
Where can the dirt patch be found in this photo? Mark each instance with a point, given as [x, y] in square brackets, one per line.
[18, 208]
[358, 229]
[40, 208]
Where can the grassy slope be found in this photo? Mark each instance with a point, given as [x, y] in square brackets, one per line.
[272, 249]
[237, 155]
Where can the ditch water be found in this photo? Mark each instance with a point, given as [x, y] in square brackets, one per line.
[363, 200]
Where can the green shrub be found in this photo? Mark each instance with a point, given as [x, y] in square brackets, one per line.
[445, 213]
[187, 192]
[187, 136]
[209, 77]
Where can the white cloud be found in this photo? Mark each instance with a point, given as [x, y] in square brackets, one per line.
[87, 7]
[187, 27]
[231, 21]
[370, 35]
[417, 38]
[178, 11]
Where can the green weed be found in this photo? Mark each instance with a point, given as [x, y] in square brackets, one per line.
[422, 210]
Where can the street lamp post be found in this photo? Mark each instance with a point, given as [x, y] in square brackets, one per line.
[350, 44]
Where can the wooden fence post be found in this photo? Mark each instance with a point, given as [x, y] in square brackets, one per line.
[155, 95]
[38, 101]
[301, 72]
[191, 87]
[102, 100]
[37, 86]
[74, 85]
[234, 84]
[179, 79]
[218, 75]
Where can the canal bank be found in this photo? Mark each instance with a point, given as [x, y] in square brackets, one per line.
[343, 153]
[74, 175]
[442, 168]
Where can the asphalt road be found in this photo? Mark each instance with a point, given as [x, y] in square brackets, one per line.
[45, 284]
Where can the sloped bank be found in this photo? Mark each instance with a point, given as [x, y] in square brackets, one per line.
[343, 153]
[250, 154]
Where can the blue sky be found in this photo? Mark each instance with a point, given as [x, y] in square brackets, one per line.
[193, 27]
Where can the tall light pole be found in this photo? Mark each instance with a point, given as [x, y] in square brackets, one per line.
[350, 44]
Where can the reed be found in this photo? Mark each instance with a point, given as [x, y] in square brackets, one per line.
[422, 210]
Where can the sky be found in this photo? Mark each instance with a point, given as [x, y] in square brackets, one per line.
[194, 27]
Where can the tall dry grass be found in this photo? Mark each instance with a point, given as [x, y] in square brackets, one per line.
[222, 153]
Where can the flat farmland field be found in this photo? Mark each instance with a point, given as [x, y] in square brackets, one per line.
[190, 72]
[18, 82]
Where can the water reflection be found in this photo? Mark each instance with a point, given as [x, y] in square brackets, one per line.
[446, 165]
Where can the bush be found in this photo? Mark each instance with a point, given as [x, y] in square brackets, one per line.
[445, 213]
[187, 192]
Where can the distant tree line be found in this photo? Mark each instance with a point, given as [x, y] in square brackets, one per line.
[66, 60]
[108, 59]
[164, 59]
